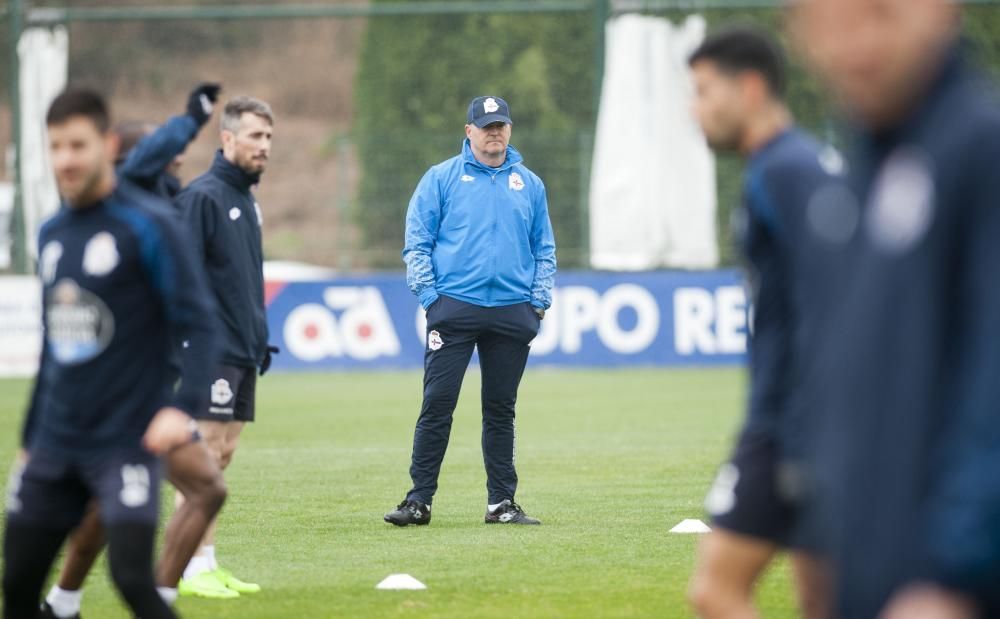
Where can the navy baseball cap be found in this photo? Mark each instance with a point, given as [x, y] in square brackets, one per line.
[486, 110]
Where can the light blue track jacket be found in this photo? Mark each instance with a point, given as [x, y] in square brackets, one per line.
[480, 235]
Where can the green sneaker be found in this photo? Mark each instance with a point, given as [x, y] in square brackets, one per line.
[233, 583]
[206, 585]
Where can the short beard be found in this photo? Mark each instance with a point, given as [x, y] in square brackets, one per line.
[728, 144]
[249, 166]
[87, 191]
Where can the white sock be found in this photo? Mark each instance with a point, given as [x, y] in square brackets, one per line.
[209, 553]
[168, 594]
[490, 508]
[64, 603]
[198, 565]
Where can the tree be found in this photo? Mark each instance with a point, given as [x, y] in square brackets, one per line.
[415, 80]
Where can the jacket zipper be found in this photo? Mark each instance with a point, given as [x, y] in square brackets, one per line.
[496, 216]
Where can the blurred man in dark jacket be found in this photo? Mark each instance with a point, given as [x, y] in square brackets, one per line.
[908, 451]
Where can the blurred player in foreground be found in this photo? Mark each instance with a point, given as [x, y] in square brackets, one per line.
[151, 158]
[908, 450]
[224, 231]
[739, 77]
[118, 285]
[481, 257]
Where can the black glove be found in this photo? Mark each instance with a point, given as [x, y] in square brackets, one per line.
[265, 365]
[201, 101]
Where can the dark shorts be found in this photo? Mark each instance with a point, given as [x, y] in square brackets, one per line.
[751, 495]
[54, 491]
[232, 392]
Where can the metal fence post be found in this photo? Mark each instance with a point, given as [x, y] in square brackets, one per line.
[600, 11]
[585, 148]
[19, 246]
[586, 140]
[344, 253]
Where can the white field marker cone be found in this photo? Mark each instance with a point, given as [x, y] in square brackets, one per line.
[400, 581]
[691, 525]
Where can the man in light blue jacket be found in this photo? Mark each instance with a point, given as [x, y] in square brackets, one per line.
[481, 257]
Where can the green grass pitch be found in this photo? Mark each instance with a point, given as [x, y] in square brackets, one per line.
[609, 460]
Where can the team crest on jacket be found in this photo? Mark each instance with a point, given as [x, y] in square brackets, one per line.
[434, 341]
[234, 213]
[516, 182]
[100, 256]
[902, 202]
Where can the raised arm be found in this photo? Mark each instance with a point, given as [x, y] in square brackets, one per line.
[152, 154]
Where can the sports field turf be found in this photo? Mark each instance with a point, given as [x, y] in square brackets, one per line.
[609, 460]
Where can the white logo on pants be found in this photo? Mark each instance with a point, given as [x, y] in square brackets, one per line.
[135, 485]
[222, 393]
[721, 498]
[14, 488]
[434, 341]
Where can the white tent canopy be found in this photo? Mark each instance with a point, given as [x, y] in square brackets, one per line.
[652, 188]
[44, 57]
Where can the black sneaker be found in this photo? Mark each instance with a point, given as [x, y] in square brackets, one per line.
[509, 512]
[46, 612]
[409, 512]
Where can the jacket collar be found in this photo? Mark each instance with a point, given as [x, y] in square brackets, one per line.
[94, 206]
[513, 158]
[774, 140]
[869, 147]
[949, 73]
[222, 168]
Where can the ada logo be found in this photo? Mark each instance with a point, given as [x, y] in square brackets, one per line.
[351, 322]
[490, 105]
[234, 213]
[434, 341]
[221, 392]
[465, 178]
[516, 182]
[100, 256]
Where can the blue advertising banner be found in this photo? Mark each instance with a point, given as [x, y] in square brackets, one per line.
[596, 320]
